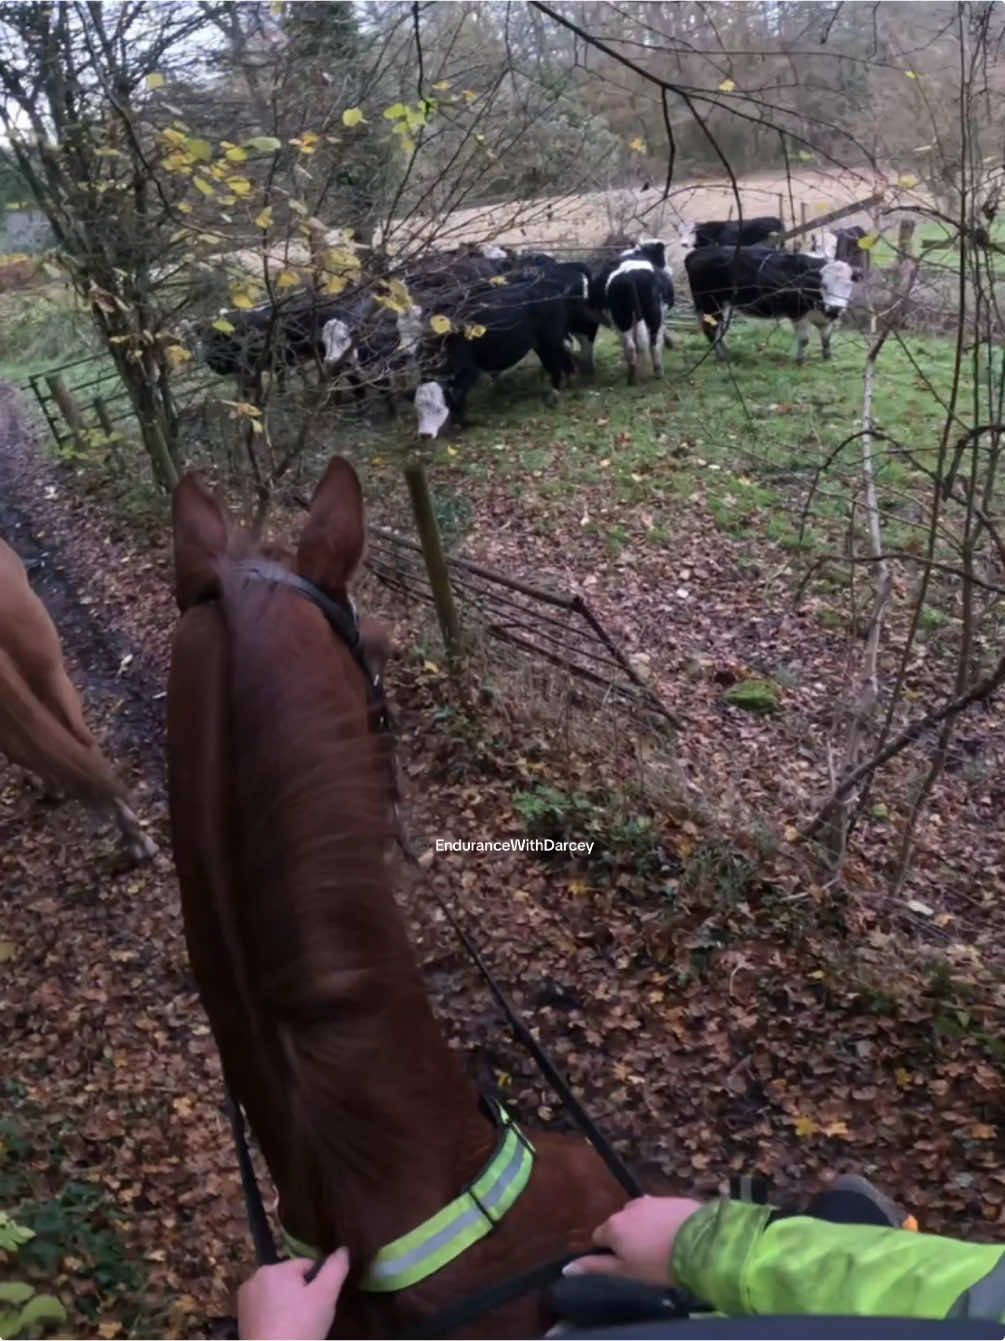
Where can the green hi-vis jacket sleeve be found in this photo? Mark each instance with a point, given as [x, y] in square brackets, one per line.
[729, 1256]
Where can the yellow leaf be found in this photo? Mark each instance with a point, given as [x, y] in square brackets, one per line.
[805, 1126]
[440, 323]
[287, 279]
[908, 179]
[202, 185]
[266, 144]
[352, 116]
[791, 834]
[8, 950]
[176, 355]
[278, 8]
[498, 279]
[226, 200]
[451, 451]
[469, 94]
[442, 85]
[431, 666]
[155, 81]
[298, 207]
[237, 155]
[473, 331]
[182, 1106]
[339, 259]
[638, 144]
[223, 325]
[836, 1129]
[910, 74]
[201, 150]
[242, 299]
[869, 241]
[184, 207]
[727, 86]
[240, 186]
[395, 112]
[903, 1077]
[335, 284]
[264, 220]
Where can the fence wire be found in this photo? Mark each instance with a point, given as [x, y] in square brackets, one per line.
[543, 625]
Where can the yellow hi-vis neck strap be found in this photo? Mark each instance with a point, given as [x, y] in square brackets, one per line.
[469, 1217]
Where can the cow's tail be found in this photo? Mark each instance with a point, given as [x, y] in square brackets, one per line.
[34, 737]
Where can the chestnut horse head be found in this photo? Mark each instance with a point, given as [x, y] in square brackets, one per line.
[280, 813]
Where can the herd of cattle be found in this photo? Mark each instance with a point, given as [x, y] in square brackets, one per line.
[481, 310]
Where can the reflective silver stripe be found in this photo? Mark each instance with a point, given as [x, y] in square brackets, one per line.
[440, 1242]
[985, 1299]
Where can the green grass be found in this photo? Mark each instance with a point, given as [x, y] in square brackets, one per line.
[743, 440]
[933, 241]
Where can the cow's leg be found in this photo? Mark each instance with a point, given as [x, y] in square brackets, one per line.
[587, 359]
[802, 328]
[825, 325]
[631, 353]
[652, 324]
[556, 361]
[667, 336]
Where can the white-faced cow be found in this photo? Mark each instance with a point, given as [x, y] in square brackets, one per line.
[808, 290]
[368, 345]
[492, 329]
[264, 339]
[634, 294]
[734, 232]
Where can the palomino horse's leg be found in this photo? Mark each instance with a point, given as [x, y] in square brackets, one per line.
[141, 846]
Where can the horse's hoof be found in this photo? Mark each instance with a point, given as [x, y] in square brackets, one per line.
[551, 397]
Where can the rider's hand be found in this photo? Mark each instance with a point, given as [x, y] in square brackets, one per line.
[278, 1302]
[641, 1236]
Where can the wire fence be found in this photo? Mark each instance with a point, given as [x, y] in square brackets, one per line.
[560, 630]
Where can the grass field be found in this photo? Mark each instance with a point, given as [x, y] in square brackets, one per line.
[746, 439]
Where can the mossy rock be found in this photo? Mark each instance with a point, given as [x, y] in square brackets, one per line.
[761, 696]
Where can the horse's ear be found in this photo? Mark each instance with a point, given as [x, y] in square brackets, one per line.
[331, 544]
[201, 538]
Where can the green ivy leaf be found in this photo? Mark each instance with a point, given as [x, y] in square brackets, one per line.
[43, 1308]
[15, 1291]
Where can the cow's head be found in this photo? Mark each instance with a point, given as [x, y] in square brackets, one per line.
[432, 408]
[410, 329]
[686, 236]
[337, 340]
[836, 281]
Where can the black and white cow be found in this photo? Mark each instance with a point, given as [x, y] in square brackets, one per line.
[491, 330]
[264, 339]
[367, 345]
[634, 294]
[808, 290]
[733, 232]
[842, 244]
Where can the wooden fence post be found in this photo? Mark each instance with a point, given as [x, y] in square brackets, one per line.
[905, 247]
[68, 408]
[436, 564]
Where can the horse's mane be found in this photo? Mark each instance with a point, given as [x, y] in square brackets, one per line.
[324, 958]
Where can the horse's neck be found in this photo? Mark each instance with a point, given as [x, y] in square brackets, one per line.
[395, 1125]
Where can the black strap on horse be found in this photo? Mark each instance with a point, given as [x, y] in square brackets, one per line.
[615, 1164]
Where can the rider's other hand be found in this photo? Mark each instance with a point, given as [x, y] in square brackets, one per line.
[279, 1304]
[641, 1236]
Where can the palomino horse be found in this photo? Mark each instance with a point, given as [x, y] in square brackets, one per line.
[280, 813]
[42, 725]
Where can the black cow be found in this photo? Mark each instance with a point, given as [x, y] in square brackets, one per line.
[492, 328]
[574, 277]
[634, 294]
[768, 283]
[730, 232]
[264, 339]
